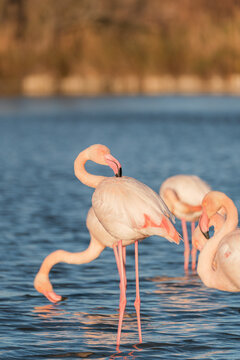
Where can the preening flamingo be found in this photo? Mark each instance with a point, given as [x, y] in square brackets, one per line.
[183, 195]
[219, 260]
[123, 211]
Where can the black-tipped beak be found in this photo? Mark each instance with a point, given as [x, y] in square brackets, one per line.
[119, 174]
[206, 234]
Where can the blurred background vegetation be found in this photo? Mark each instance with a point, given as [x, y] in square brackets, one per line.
[96, 46]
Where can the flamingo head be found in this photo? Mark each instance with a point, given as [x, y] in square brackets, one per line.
[101, 155]
[43, 285]
[210, 205]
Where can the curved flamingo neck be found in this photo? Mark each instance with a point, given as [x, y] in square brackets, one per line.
[81, 173]
[206, 257]
[83, 257]
[42, 282]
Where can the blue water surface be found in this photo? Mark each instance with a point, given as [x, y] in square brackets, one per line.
[44, 207]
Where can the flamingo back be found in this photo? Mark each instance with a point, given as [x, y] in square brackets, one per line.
[189, 188]
[122, 206]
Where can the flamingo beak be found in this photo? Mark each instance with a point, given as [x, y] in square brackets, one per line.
[119, 173]
[114, 165]
[204, 224]
[206, 234]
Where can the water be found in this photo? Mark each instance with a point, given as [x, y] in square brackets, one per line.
[44, 207]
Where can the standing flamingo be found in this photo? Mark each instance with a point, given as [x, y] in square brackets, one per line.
[219, 260]
[123, 211]
[183, 195]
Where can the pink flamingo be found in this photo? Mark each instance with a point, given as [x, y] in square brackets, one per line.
[123, 211]
[219, 260]
[183, 195]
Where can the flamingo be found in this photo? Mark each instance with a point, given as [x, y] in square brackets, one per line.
[219, 260]
[123, 212]
[183, 195]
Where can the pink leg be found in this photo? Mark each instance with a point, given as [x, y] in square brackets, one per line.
[123, 300]
[137, 300]
[194, 250]
[116, 257]
[124, 254]
[124, 262]
[186, 244]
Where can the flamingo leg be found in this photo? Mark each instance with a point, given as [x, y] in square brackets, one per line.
[194, 250]
[124, 262]
[116, 257]
[186, 244]
[137, 300]
[123, 300]
[115, 250]
[124, 254]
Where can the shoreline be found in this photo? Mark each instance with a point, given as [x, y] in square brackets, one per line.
[75, 85]
[37, 85]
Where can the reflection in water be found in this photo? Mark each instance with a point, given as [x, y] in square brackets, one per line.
[100, 329]
[130, 355]
[81, 355]
[95, 329]
[49, 311]
[175, 301]
[182, 300]
[186, 292]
